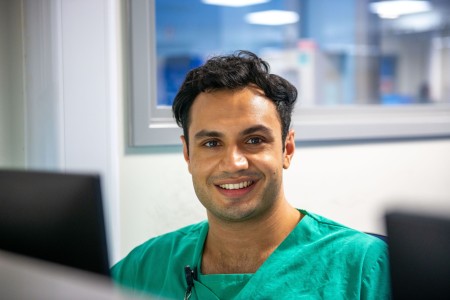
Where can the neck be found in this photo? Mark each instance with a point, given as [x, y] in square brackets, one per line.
[241, 247]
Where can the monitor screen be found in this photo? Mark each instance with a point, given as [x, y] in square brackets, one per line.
[419, 251]
[57, 217]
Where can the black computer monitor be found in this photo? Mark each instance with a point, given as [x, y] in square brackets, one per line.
[419, 251]
[57, 217]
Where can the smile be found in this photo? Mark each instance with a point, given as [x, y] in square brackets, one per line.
[236, 186]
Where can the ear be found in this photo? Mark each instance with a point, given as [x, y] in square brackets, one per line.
[186, 152]
[289, 149]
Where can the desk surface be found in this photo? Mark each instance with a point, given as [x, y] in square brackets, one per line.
[27, 278]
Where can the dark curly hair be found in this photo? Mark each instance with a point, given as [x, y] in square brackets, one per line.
[234, 71]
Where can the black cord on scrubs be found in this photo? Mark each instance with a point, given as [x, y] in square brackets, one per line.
[190, 275]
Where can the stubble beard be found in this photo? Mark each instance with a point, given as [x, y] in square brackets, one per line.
[249, 208]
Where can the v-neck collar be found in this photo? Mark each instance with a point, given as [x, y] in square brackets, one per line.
[273, 264]
[262, 275]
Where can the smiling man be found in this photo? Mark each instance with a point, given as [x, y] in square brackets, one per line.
[237, 140]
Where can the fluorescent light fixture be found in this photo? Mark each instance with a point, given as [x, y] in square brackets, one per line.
[234, 3]
[272, 17]
[395, 8]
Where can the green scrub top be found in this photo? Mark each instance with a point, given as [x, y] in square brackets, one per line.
[319, 259]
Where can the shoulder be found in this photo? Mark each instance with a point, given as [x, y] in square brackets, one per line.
[343, 238]
[160, 250]
[183, 235]
[325, 226]
[340, 249]
[360, 247]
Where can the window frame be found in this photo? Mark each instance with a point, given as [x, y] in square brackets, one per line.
[151, 125]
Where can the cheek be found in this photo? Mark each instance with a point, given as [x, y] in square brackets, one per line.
[192, 169]
[271, 162]
[199, 168]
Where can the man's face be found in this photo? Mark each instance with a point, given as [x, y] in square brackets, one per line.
[236, 155]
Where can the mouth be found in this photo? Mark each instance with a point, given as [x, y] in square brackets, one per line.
[236, 186]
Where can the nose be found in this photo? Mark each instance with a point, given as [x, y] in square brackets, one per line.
[233, 160]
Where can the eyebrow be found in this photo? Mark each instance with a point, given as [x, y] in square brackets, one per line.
[216, 134]
[257, 128]
[207, 133]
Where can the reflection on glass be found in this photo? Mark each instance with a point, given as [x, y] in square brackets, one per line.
[343, 52]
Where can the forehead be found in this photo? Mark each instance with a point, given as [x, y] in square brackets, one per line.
[228, 109]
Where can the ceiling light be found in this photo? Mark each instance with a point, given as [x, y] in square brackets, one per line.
[396, 8]
[386, 15]
[272, 17]
[234, 3]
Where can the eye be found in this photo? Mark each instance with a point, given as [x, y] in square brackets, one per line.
[211, 144]
[254, 140]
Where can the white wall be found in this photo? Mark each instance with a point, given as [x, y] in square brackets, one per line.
[356, 184]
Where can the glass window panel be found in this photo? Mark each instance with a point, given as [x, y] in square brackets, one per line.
[361, 73]
[338, 53]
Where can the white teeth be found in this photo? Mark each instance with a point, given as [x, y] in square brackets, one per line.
[235, 186]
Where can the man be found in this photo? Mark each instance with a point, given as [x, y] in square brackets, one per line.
[236, 142]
